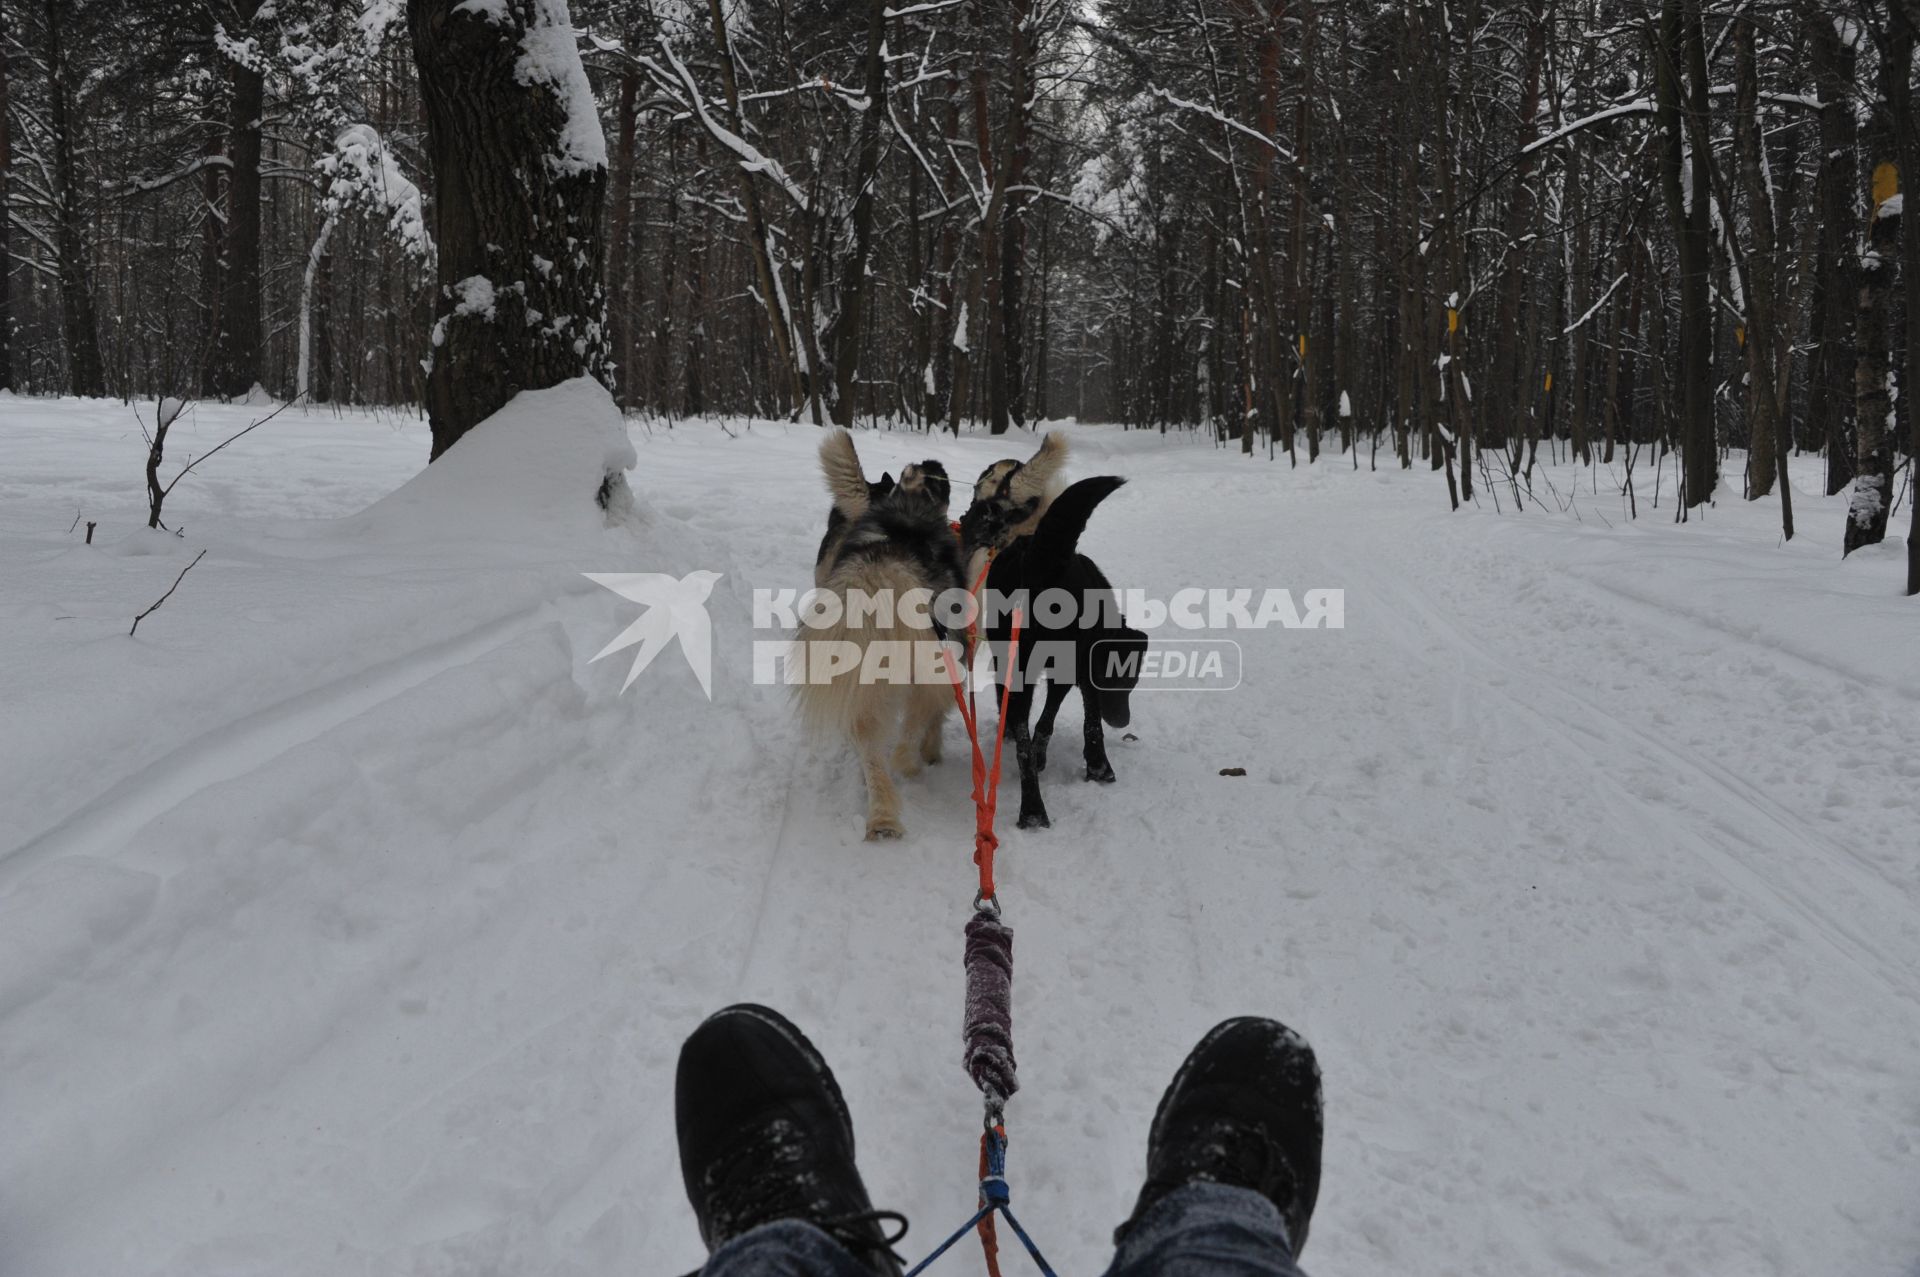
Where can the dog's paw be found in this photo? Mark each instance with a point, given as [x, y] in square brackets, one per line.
[1103, 774]
[906, 765]
[1034, 820]
[1039, 755]
[884, 830]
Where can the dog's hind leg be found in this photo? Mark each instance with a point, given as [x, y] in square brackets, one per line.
[883, 801]
[920, 730]
[1043, 730]
[1033, 811]
[1098, 768]
[930, 742]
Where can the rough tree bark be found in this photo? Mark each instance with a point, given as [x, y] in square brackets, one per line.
[6, 211]
[983, 288]
[235, 359]
[1454, 392]
[1762, 408]
[1681, 86]
[1010, 347]
[1829, 419]
[758, 242]
[1873, 417]
[86, 375]
[1910, 229]
[619, 256]
[520, 176]
[320, 373]
[853, 292]
[1301, 280]
[1506, 396]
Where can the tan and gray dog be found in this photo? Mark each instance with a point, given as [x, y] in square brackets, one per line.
[883, 540]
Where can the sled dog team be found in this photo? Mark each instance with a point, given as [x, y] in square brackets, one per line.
[888, 538]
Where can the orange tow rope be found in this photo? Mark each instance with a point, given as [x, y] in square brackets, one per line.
[986, 781]
[986, 794]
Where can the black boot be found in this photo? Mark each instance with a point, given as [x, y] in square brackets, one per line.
[1244, 1110]
[765, 1135]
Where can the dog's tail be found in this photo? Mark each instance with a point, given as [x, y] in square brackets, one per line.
[1035, 479]
[845, 481]
[1057, 539]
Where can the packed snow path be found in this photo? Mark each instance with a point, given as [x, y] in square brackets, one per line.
[350, 919]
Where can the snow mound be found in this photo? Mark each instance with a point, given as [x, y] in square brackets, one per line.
[528, 474]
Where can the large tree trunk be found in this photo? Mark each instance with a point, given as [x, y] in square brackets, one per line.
[759, 242]
[1580, 299]
[6, 212]
[1910, 265]
[520, 179]
[1301, 274]
[1829, 420]
[619, 271]
[1010, 348]
[983, 292]
[1868, 510]
[1506, 394]
[1762, 406]
[853, 288]
[320, 375]
[1455, 393]
[1271, 367]
[1680, 66]
[86, 375]
[212, 182]
[234, 363]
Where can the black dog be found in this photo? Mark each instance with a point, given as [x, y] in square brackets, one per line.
[1092, 648]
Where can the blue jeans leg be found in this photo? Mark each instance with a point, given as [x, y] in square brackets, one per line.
[784, 1248]
[1207, 1230]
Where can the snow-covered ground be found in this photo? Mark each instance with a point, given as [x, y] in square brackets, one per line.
[350, 918]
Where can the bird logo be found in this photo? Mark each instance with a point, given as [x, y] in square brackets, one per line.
[676, 606]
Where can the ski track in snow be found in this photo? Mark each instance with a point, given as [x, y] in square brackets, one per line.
[108, 822]
[350, 919]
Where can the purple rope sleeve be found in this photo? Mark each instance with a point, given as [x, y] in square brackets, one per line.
[989, 1030]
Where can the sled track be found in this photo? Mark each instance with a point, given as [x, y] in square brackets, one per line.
[1737, 870]
[106, 823]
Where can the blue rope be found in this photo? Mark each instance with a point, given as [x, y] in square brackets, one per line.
[994, 1196]
[1038, 1259]
[947, 1245]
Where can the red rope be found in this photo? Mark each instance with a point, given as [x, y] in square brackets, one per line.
[986, 798]
[986, 782]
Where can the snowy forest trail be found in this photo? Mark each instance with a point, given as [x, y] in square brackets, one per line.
[353, 918]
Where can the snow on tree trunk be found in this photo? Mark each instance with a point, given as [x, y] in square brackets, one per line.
[303, 373]
[361, 173]
[520, 169]
[1873, 388]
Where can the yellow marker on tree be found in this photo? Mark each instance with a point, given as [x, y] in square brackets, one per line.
[1453, 320]
[1886, 184]
[1549, 385]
